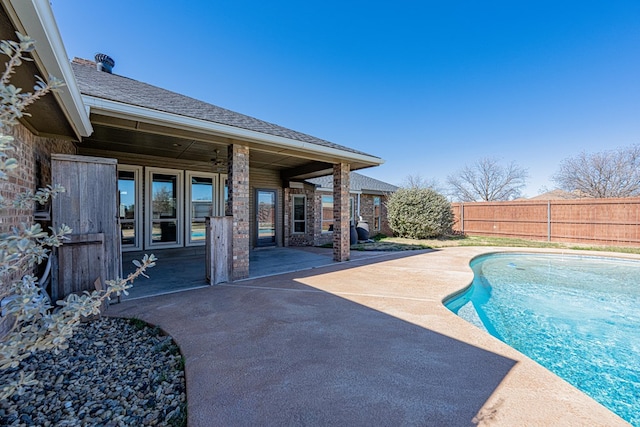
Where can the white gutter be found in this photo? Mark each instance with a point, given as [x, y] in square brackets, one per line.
[35, 19]
[128, 111]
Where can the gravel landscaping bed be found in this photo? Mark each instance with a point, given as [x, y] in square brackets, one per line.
[116, 372]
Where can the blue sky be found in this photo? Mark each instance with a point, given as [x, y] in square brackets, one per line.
[428, 86]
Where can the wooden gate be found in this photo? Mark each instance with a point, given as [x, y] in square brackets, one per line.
[89, 207]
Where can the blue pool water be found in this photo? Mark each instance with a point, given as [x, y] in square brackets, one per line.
[577, 316]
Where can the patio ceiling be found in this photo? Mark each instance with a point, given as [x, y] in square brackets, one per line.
[113, 136]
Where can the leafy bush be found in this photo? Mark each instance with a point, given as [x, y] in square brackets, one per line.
[419, 213]
[28, 322]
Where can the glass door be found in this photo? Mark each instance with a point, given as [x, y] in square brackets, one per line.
[266, 217]
[129, 206]
[201, 191]
[164, 210]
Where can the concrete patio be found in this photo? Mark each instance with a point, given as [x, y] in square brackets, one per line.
[181, 269]
[367, 342]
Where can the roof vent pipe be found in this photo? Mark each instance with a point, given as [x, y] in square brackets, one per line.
[104, 63]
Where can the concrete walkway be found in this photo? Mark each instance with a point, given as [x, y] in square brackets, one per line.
[366, 342]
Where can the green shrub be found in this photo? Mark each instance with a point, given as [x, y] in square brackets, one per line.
[419, 213]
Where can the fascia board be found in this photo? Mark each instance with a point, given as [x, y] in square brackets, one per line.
[50, 56]
[128, 111]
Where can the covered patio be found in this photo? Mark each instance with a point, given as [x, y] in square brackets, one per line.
[183, 269]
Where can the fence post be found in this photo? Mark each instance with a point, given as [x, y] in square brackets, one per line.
[219, 262]
[462, 217]
[548, 220]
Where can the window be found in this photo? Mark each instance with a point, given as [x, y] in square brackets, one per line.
[352, 209]
[164, 209]
[200, 199]
[327, 214]
[299, 215]
[129, 206]
[376, 213]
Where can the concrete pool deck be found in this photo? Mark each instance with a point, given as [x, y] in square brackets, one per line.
[367, 342]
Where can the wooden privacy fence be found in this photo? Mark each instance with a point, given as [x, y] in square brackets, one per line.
[592, 221]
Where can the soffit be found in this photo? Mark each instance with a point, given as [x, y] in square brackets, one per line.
[47, 118]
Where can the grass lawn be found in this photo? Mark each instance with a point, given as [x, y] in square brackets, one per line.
[402, 244]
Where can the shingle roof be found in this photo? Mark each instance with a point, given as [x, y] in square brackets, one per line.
[123, 89]
[358, 182]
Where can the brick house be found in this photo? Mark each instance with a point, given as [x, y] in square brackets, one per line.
[178, 159]
[308, 206]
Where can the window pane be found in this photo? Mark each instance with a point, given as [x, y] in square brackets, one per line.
[266, 213]
[201, 197]
[299, 214]
[327, 213]
[127, 189]
[198, 231]
[298, 209]
[164, 231]
[128, 232]
[352, 209]
[164, 189]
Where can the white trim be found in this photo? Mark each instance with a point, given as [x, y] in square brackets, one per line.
[149, 208]
[37, 21]
[128, 111]
[138, 216]
[187, 203]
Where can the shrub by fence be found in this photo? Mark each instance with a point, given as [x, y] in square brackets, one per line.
[591, 221]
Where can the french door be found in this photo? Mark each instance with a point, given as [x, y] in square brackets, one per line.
[176, 204]
[266, 217]
[164, 206]
[130, 206]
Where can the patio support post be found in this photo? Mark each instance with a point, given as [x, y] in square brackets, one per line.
[238, 207]
[341, 236]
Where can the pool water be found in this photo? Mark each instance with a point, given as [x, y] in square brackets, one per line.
[577, 316]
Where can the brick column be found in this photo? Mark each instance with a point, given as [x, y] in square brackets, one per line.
[341, 236]
[238, 207]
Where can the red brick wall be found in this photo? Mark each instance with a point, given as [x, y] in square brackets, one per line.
[299, 239]
[34, 156]
[366, 211]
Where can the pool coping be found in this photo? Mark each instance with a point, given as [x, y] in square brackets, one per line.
[580, 408]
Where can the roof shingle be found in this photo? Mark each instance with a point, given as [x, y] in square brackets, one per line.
[357, 182]
[113, 87]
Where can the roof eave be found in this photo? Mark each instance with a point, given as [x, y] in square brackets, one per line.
[35, 18]
[128, 111]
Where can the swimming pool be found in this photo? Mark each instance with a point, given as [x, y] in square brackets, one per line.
[577, 316]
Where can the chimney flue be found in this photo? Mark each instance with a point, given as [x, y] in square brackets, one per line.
[104, 63]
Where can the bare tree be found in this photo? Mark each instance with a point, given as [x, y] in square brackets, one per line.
[487, 180]
[418, 181]
[612, 173]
